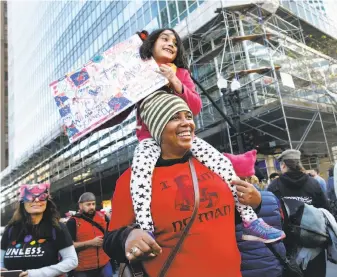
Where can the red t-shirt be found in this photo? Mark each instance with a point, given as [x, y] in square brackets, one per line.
[210, 249]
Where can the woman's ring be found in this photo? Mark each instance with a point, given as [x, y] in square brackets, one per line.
[241, 194]
[133, 250]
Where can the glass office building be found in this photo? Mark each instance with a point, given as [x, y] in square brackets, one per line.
[48, 39]
[55, 37]
[3, 87]
[319, 5]
[312, 11]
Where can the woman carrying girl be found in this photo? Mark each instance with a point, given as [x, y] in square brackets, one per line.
[166, 47]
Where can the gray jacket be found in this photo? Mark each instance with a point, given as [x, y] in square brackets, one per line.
[317, 227]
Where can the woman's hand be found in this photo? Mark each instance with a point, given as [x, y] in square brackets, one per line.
[140, 245]
[247, 193]
[167, 72]
[97, 241]
[3, 269]
[23, 274]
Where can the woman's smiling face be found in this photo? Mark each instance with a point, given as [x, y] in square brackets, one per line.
[178, 134]
[35, 206]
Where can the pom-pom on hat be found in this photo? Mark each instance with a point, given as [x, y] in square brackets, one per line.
[28, 191]
[158, 108]
[243, 163]
[143, 35]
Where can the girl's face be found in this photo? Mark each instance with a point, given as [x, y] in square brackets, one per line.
[165, 48]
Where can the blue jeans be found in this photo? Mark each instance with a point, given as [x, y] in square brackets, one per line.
[105, 271]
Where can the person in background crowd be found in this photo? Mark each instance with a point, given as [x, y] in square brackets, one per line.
[66, 218]
[87, 229]
[106, 212]
[34, 239]
[255, 181]
[315, 174]
[295, 183]
[258, 173]
[331, 192]
[273, 176]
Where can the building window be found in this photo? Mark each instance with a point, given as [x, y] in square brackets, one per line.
[154, 9]
[182, 7]
[147, 13]
[119, 7]
[173, 13]
[140, 20]
[192, 5]
[120, 19]
[164, 18]
[115, 25]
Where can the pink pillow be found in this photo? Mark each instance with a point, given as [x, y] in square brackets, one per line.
[243, 163]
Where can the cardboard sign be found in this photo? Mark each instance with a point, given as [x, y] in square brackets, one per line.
[104, 87]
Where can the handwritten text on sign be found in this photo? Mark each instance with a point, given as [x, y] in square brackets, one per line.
[107, 85]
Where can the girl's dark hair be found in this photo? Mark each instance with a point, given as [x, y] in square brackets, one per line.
[149, 40]
[21, 219]
[294, 165]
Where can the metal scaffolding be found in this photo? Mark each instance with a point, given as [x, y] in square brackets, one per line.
[258, 48]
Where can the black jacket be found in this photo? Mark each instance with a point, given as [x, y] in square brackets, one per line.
[300, 186]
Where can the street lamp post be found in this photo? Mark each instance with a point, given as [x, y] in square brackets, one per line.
[222, 84]
[233, 91]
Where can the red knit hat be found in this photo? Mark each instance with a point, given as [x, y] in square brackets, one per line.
[243, 163]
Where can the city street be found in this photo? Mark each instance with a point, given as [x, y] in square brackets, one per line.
[128, 126]
[331, 270]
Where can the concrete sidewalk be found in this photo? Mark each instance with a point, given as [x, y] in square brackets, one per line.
[331, 270]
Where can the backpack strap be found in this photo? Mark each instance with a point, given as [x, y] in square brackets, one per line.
[10, 233]
[53, 233]
[187, 228]
[88, 219]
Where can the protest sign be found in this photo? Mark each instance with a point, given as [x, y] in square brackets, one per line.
[104, 87]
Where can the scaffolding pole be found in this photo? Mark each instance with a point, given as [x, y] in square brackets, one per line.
[277, 85]
[307, 130]
[222, 103]
[324, 134]
[248, 62]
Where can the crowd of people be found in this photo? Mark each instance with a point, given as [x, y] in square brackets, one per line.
[182, 208]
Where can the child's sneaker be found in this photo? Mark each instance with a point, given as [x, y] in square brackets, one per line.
[258, 230]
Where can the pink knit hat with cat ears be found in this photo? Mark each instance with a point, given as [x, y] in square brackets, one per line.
[34, 189]
[243, 163]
